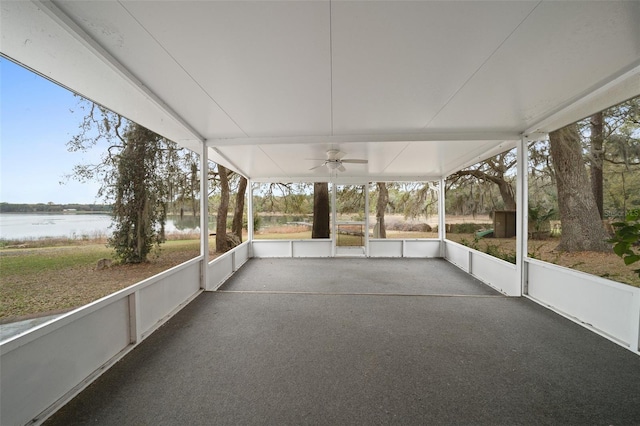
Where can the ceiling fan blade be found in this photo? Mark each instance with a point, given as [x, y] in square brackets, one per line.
[341, 168]
[317, 167]
[354, 161]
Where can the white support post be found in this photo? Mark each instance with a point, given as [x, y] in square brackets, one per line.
[250, 229]
[635, 324]
[334, 217]
[442, 232]
[366, 219]
[204, 215]
[522, 206]
[135, 336]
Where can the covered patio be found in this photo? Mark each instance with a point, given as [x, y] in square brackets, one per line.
[363, 341]
[415, 91]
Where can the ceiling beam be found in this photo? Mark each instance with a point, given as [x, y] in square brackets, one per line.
[618, 88]
[476, 156]
[395, 137]
[348, 179]
[230, 164]
[94, 47]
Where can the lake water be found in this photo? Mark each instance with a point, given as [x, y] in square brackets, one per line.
[33, 226]
[18, 226]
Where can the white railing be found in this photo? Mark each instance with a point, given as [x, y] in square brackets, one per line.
[322, 248]
[496, 273]
[292, 248]
[222, 267]
[47, 365]
[404, 248]
[604, 306]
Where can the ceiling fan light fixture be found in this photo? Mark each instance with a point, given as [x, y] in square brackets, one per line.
[333, 164]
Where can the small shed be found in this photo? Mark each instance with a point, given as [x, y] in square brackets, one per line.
[504, 223]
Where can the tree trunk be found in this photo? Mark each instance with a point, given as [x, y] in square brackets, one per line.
[238, 212]
[321, 210]
[507, 194]
[195, 186]
[596, 151]
[381, 206]
[582, 228]
[223, 209]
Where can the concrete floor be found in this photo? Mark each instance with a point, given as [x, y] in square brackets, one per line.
[363, 341]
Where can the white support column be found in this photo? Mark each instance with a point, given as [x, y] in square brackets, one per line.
[442, 232]
[135, 335]
[522, 207]
[204, 215]
[250, 229]
[366, 219]
[635, 324]
[334, 220]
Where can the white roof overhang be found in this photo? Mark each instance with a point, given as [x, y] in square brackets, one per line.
[420, 89]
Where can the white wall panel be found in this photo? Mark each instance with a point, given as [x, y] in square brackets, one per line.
[55, 360]
[242, 254]
[385, 248]
[457, 254]
[496, 273]
[220, 269]
[311, 248]
[604, 305]
[162, 296]
[271, 248]
[421, 248]
[38, 373]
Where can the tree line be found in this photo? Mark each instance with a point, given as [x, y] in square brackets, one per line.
[53, 208]
[143, 176]
[584, 173]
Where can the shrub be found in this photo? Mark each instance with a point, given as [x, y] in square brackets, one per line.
[627, 237]
[465, 228]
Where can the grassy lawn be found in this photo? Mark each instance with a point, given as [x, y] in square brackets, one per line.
[299, 235]
[606, 265]
[38, 281]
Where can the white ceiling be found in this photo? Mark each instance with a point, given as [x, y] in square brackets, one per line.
[419, 88]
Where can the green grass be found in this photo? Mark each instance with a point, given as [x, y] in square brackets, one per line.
[29, 261]
[41, 280]
[306, 235]
[43, 259]
[180, 245]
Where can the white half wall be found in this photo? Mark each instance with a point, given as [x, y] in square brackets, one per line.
[222, 267]
[292, 248]
[47, 365]
[271, 248]
[311, 248]
[421, 248]
[158, 302]
[496, 273]
[385, 248]
[457, 254]
[607, 307]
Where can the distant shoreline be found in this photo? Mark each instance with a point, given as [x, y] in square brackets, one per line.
[60, 212]
[67, 208]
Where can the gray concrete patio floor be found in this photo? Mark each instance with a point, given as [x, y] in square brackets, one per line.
[363, 341]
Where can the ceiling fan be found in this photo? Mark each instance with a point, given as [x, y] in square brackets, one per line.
[335, 161]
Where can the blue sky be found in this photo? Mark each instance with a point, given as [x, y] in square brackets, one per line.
[35, 124]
